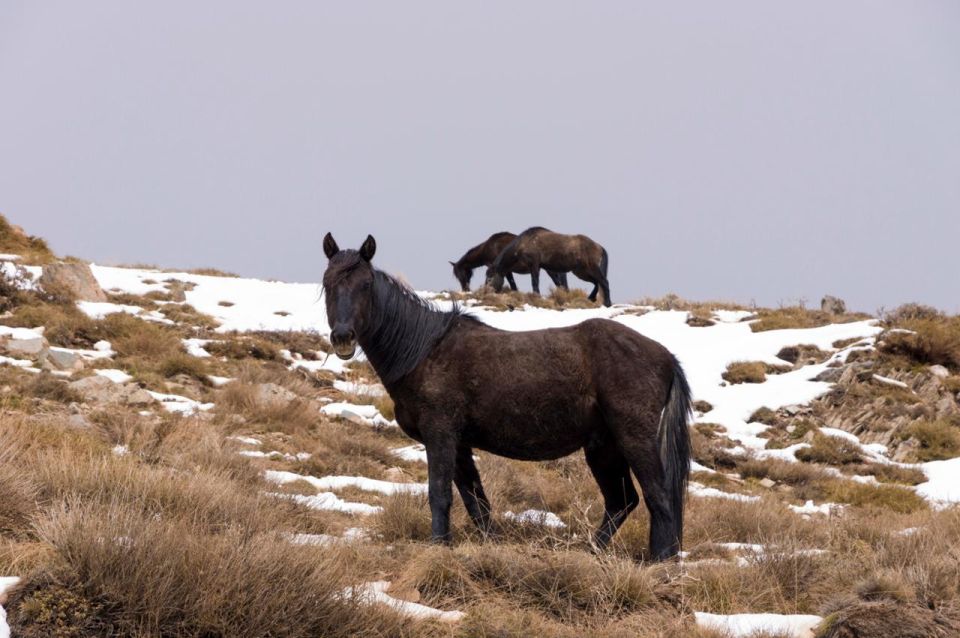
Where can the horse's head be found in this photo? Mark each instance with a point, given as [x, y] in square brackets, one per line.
[463, 275]
[348, 291]
[494, 279]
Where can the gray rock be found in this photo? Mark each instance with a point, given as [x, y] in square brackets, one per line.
[75, 279]
[939, 371]
[26, 347]
[97, 389]
[58, 359]
[273, 393]
[830, 375]
[767, 483]
[136, 396]
[833, 305]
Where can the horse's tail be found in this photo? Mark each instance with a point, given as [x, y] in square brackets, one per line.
[674, 442]
[604, 261]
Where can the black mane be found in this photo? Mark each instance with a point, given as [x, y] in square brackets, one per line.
[403, 328]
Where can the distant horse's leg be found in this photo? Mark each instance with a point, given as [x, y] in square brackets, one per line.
[441, 461]
[593, 293]
[535, 278]
[510, 280]
[605, 285]
[467, 480]
[589, 277]
[612, 474]
[559, 279]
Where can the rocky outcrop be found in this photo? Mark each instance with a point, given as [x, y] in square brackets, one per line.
[74, 279]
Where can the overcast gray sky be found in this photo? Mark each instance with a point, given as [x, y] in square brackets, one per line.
[733, 150]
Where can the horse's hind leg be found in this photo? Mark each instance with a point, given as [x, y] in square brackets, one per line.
[612, 474]
[467, 480]
[637, 440]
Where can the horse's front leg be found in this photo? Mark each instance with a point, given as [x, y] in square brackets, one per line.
[441, 465]
[510, 280]
[467, 480]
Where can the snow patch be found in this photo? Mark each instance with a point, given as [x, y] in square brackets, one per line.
[744, 625]
[376, 593]
[536, 517]
[340, 482]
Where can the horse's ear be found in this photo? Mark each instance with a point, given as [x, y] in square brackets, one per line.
[368, 248]
[453, 263]
[330, 247]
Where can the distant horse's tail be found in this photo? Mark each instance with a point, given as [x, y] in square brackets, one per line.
[674, 441]
[604, 261]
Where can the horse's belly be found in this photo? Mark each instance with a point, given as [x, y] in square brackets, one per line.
[537, 434]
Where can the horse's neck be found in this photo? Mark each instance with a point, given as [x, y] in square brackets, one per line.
[404, 335]
[474, 257]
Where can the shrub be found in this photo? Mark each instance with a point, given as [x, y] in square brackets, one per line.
[937, 440]
[243, 347]
[47, 386]
[745, 372]
[15, 241]
[830, 450]
[932, 341]
[183, 363]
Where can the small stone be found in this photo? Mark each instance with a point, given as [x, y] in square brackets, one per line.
[830, 375]
[26, 347]
[273, 393]
[58, 359]
[767, 483]
[794, 410]
[138, 397]
[78, 421]
[939, 371]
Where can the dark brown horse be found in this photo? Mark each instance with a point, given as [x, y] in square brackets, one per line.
[459, 384]
[537, 248]
[484, 253]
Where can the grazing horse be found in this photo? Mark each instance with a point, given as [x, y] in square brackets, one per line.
[459, 385]
[484, 253]
[537, 248]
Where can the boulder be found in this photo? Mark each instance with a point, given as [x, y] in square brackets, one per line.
[830, 375]
[26, 347]
[75, 279]
[833, 305]
[61, 359]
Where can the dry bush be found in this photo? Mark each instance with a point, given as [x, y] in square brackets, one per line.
[934, 341]
[347, 449]
[672, 301]
[893, 498]
[130, 574]
[405, 517]
[244, 399]
[65, 325]
[799, 317]
[211, 272]
[763, 415]
[135, 338]
[803, 354]
[183, 363]
[745, 372]
[715, 520]
[252, 372]
[306, 344]
[889, 473]
[47, 386]
[572, 298]
[830, 450]
[130, 299]
[781, 471]
[245, 347]
[568, 586]
[911, 312]
[18, 496]
[32, 250]
[184, 313]
[936, 440]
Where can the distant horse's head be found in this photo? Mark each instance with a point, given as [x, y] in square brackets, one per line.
[494, 280]
[463, 275]
[348, 290]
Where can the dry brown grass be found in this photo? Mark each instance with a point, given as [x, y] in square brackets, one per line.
[244, 399]
[65, 325]
[183, 363]
[188, 315]
[240, 347]
[745, 372]
[32, 250]
[126, 573]
[935, 340]
[935, 440]
[799, 317]
[830, 450]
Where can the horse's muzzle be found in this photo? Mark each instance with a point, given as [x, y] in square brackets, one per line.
[345, 350]
[344, 341]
